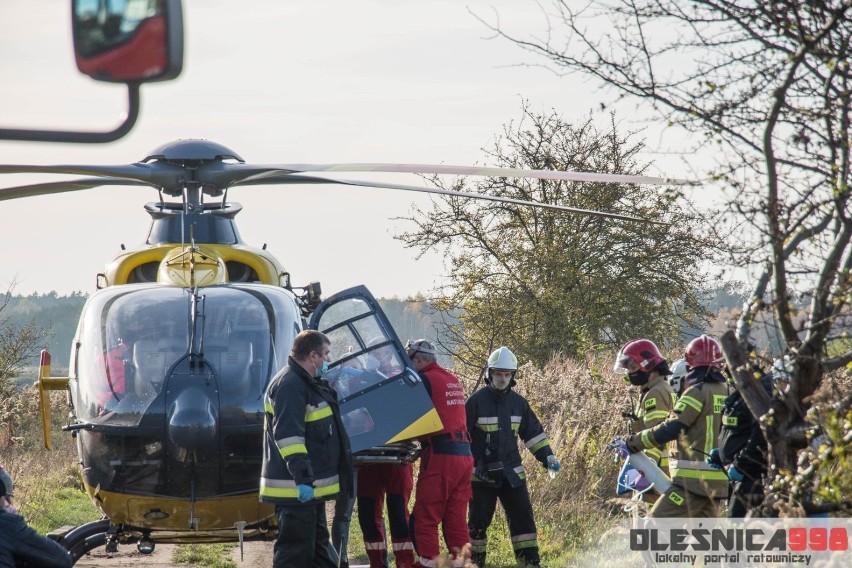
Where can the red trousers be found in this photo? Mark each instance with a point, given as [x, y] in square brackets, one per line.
[443, 493]
[375, 484]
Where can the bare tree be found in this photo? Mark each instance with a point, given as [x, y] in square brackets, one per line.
[768, 84]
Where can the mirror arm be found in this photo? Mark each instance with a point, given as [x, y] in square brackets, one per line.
[81, 137]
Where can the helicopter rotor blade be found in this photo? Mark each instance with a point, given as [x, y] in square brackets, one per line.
[34, 190]
[309, 179]
[272, 170]
[170, 177]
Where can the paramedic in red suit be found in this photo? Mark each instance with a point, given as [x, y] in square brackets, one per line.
[446, 464]
[380, 482]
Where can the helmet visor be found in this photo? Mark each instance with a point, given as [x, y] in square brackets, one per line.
[625, 364]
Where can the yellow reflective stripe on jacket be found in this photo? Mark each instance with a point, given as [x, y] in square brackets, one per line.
[654, 453]
[287, 488]
[685, 401]
[692, 469]
[537, 442]
[656, 415]
[487, 423]
[318, 412]
[646, 439]
[291, 445]
[516, 423]
[709, 435]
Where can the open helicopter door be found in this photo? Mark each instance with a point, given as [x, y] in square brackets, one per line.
[382, 398]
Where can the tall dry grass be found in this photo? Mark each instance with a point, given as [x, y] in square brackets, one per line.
[46, 483]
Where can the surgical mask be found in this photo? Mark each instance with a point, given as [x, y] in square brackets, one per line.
[639, 378]
[11, 509]
[322, 370]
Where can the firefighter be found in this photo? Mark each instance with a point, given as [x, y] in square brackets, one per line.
[677, 380]
[742, 451]
[695, 425]
[446, 464]
[306, 455]
[496, 417]
[643, 366]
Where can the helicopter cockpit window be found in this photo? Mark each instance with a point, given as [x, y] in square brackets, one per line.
[362, 354]
[133, 342]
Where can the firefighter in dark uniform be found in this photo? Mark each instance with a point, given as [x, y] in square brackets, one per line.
[695, 425]
[742, 452]
[496, 417]
[306, 455]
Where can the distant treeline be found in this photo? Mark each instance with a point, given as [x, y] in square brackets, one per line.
[412, 318]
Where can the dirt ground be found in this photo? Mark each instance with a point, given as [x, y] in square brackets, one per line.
[257, 555]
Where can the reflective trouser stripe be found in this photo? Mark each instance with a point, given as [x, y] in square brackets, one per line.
[375, 545]
[529, 540]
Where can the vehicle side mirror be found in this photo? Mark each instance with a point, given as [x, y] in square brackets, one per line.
[128, 41]
[120, 41]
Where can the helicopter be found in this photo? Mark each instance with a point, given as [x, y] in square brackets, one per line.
[174, 349]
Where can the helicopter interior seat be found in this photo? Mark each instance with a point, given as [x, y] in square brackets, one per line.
[151, 361]
[234, 366]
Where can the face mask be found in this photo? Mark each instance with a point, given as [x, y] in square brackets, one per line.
[501, 383]
[322, 370]
[11, 509]
[638, 378]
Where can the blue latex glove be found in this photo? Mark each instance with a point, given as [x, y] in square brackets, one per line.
[714, 460]
[620, 446]
[553, 463]
[734, 474]
[306, 493]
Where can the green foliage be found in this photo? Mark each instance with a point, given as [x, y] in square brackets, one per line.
[542, 280]
[212, 555]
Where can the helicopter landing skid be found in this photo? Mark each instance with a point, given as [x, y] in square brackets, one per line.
[83, 539]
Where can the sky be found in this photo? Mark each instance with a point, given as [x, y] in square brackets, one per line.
[406, 81]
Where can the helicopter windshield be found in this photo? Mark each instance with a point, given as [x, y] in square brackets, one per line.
[131, 339]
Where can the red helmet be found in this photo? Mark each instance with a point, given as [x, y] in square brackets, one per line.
[704, 351]
[641, 352]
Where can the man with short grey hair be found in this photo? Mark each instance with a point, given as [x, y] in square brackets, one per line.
[446, 464]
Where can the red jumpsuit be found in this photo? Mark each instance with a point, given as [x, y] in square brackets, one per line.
[446, 466]
[375, 483]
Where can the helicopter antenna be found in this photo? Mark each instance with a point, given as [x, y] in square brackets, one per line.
[182, 218]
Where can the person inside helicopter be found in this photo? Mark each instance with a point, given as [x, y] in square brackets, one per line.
[118, 360]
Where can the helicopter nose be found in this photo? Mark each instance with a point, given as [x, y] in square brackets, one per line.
[192, 420]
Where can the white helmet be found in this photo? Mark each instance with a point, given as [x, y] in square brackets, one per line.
[678, 374]
[503, 359]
